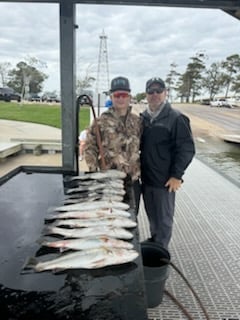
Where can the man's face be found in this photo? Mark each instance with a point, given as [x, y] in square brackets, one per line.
[121, 99]
[155, 96]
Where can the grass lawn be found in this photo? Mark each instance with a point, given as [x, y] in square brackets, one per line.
[40, 113]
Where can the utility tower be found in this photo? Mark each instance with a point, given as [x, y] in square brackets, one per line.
[102, 84]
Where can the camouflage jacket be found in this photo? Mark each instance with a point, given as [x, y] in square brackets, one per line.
[120, 138]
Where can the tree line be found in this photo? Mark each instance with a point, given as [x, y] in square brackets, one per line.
[28, 78]
[221, 77]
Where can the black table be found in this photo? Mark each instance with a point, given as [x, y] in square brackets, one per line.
[115, 292]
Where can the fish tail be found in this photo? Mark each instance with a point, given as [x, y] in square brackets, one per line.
[54, 224]
[41, 241]
[30, 263]
[47, 230]
[50, 218]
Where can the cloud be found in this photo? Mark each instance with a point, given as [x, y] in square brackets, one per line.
[142, 41]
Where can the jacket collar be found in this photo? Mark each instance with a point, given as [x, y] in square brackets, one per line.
[164, 113]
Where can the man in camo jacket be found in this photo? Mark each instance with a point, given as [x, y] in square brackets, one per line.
[120, 136]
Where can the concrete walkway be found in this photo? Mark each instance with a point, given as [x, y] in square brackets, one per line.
[13, 132]
[10, 130]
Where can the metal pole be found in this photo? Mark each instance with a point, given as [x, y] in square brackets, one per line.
[68, 84]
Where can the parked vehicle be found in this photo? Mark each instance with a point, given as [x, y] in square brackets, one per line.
[34, 97]
[222, 102]
[50, 98]
[8, 94]
[205, 102]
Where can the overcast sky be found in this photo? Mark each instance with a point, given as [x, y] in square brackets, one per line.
[142, 41]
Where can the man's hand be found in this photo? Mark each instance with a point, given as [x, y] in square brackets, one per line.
[173, 184]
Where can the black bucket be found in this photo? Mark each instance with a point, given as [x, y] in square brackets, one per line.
[156, 271]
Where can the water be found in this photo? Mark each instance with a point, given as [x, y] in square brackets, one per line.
[220, 155]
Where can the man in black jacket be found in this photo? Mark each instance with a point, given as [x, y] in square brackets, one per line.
[167, 148]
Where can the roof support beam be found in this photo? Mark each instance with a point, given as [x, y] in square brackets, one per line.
[214, 4]
[68, 84]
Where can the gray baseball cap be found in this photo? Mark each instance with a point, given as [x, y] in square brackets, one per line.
[120, 83]
[155, 80]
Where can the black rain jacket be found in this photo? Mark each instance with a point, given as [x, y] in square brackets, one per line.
[167, 146]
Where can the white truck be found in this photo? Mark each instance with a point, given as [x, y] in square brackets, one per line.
[222, 102]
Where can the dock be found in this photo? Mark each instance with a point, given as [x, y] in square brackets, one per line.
[205, 246]
[9, 148]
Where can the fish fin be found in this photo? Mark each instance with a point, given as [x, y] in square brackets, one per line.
[98, 264]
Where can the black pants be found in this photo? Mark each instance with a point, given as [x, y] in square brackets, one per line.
[159, 205]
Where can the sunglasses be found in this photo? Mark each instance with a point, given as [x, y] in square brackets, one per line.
[152, 91]
[120, 95]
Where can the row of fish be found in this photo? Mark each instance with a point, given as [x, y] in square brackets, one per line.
[106, 186]
[96, 232]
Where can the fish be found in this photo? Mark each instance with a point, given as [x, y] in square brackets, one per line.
[107, 191]
[119, 222]
[93, 205]
[103, 188]
[89, 184]
[112, 174]
[98, 196]
[119, 233]
[102, 213]
[86, 243]
[85, 259]
[116, 184]
[87, 188]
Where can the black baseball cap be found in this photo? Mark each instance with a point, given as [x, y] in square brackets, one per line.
[155, 80]
[120, 83]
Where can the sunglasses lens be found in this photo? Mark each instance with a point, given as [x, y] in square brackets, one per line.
[151, 91]
[121, 94]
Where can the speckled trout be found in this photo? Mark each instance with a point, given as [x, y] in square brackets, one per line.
[86, 259]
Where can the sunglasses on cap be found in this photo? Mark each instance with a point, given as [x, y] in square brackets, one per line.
[120, 95]
[155, 90]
